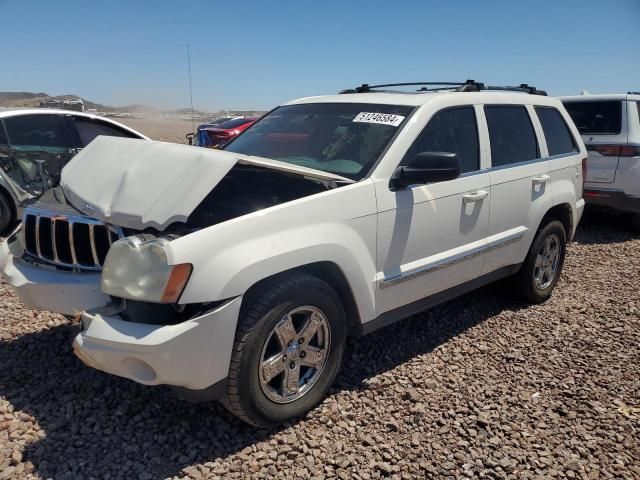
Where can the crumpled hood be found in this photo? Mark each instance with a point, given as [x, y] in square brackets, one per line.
[142, 183]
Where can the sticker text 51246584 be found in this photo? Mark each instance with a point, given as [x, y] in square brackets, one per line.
[379, 118]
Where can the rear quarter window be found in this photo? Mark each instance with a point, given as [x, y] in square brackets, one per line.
[559, 138]
[597, 117]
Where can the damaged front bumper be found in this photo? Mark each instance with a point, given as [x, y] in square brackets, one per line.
[194, 354]
[46, 288]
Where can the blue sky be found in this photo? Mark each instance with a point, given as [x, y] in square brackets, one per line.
[250, 54]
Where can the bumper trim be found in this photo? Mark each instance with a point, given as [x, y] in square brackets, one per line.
[209, 394]
[614, 199]
[45, 288]
[194, 354]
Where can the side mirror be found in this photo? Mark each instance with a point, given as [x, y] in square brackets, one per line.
[189, 137]
[426, 167]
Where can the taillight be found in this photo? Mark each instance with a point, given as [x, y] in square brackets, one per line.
[615, 150]
[629, 151]
[584, 172]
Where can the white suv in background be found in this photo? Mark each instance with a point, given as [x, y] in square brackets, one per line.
[238, 274]
[610, 127]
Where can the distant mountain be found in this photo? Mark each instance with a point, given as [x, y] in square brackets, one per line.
[30, 100]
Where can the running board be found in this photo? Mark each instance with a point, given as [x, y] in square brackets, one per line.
[405, 311]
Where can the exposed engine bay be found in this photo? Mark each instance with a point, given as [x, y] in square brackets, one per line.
[247, 189]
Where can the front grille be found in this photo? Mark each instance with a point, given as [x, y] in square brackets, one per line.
[67, 240]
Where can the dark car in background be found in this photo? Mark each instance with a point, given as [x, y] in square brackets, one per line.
[216, 136]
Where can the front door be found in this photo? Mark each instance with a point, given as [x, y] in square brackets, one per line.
[432, 237]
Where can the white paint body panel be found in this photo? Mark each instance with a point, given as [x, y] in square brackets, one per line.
[140, 184]
[393, 247]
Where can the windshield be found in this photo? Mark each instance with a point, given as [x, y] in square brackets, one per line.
[341, 138]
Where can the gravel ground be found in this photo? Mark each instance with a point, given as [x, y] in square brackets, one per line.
[480, 387]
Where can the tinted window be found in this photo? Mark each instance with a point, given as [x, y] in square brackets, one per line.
[88, 129]
[453, 130]
[556, 132]
[596, 117]
[3, 136]
[37, 130]
[342, 138]
[511, 134]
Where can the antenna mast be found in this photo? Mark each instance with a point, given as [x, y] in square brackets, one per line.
[193, 125]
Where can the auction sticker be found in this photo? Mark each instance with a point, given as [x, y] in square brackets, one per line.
[379, 118]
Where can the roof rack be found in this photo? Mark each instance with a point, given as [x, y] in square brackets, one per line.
[633, 93]
[468, 86]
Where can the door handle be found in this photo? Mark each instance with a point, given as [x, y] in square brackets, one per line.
[475, 197]
[541, 179]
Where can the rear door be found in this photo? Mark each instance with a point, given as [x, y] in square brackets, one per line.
[603, 126]
[520, 184]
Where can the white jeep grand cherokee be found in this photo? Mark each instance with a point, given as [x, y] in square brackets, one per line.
[238, 274]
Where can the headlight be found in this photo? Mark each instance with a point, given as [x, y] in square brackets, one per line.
[136, 268]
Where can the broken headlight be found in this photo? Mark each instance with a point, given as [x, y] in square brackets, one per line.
[136, 268]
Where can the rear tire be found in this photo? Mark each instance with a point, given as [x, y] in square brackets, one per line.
[6, 214]
[270, 378]
[541, 269]
[635, 222]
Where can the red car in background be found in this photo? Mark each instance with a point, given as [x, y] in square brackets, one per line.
[215, 136]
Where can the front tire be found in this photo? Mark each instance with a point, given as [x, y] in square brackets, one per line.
[635, 222]
[287, 351]
[541, 269]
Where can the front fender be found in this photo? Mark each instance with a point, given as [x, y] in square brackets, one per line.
[231, 271]
[337, 226]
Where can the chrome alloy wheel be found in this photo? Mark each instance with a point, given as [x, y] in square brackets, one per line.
[294, 354]
[547, 261]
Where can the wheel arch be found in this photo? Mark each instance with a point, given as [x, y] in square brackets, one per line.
[330, 273]
[563, 213]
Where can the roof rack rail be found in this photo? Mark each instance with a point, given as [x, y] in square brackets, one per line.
[365, 87]
[633, 93]
[468, 86]
[523, 87]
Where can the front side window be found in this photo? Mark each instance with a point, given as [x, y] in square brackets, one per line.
[453, 130]
[88, 129]
[37, 131]
[342, 138]
[511, 134]
[556, 132]
[597, 117]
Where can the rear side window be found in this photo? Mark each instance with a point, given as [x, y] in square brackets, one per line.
[88, 129]
[37, 131]
[556, 132]
[596, 117]
[453, 130]
[511, 134]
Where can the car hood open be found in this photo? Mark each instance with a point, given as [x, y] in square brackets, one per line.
[142, 183]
